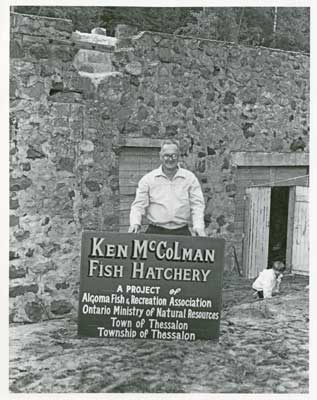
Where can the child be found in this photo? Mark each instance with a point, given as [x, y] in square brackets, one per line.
[269, 280]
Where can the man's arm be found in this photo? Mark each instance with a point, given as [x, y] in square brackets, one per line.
[139, 206]
[197, 207]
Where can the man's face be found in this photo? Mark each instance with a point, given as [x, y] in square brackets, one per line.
[169, 156]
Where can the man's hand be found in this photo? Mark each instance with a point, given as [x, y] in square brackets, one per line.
[134, 229]
[199, 232]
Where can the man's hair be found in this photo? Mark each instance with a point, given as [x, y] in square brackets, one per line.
[169, 141]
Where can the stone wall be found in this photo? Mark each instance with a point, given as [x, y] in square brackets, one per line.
[74, 101]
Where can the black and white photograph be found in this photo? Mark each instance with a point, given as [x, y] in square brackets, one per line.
[159, 187]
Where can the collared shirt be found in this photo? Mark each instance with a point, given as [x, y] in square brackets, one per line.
[167, 203]
[268, 282]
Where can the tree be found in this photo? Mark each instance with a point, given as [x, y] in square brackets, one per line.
[157, 19]
[281, 27]
[83, 18]
[257, 26]
[213, 23]
[293, 29]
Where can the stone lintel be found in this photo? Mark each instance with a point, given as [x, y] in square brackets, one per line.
[259, 159]
[89, 39]
[141, 142]
[88, 45]
[94, 46]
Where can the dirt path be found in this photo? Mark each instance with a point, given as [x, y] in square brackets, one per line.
[263, 348]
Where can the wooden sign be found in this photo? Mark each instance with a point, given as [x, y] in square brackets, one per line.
[150, 286]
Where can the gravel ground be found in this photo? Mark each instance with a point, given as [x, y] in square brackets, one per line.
[263, 348]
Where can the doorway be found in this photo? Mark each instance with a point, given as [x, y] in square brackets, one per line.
[278, 224]
[276, 228]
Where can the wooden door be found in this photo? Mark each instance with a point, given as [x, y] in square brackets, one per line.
[256, 230]
[133, 164]
[298, 231]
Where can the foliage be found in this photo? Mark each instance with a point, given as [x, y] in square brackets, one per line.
[293, 31]
[212, 23]
[157, 19]
[253, 26]
[161, 19]
[83, 18]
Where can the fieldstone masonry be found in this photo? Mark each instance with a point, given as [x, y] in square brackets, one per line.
[76, 98]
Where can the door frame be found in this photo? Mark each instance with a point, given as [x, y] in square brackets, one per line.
[295, 197]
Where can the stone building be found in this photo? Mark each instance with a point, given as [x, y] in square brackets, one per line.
[87, 115]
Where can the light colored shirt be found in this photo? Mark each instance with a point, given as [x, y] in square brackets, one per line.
[268, 282]
[167, 203]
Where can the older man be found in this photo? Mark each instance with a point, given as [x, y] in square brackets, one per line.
[170, 197]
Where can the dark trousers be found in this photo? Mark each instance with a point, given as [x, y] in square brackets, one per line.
[183, 231]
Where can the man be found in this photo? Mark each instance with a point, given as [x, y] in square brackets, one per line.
[170, 197]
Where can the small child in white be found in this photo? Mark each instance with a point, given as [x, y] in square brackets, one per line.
[269, 280]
